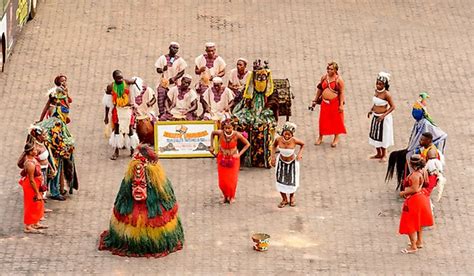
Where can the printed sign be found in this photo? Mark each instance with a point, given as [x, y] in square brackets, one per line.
[177, 139]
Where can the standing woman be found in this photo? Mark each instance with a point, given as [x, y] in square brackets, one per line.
[416, 211]
[31, 179]
[330, 95]
[287, 166]
[381, 128]
[58, 101]
[228, 158]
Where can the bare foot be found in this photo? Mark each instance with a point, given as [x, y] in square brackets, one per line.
[282, 204]
[409, 250]
[383, 159]
[319, 141]
[114, 156]
[375, 156]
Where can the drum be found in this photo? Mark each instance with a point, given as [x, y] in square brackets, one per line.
[282, 89]
[145, 131]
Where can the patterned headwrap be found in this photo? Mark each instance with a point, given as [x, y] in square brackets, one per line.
[57, 80]
[385, 78]
[291, 127]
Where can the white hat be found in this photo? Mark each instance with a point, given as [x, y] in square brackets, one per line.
[243, 59]
[174, 43]
[210, 44]
[188, 76]
[216, 80]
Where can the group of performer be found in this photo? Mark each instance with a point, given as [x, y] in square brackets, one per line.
[47, 162]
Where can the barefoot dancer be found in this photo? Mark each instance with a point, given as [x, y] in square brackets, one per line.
[228, 159]
[117, 98]
[416, 211]
[381, 128]
[287, 166]
[331, 96]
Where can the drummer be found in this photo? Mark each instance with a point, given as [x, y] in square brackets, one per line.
[218, 101]
[182, 101]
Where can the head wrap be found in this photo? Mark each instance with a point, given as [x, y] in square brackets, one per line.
[384, 77]
[174, 44]
[424, 95]
[210, 44]
[291, 127]
[57, 80]
[28, 147]
[35, 131]
[216, 80]
[243, 59]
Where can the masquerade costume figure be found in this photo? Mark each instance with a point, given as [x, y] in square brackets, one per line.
[255, 114]
[423, 123]
[61, 144]
[145, 220]
[171, 68]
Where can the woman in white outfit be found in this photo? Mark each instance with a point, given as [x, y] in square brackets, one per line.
[287, 170]
[381, 127]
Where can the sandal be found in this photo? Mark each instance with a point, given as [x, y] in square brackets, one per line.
[40, 226]
[408, 251]
[114, 157]
[46, 210]
[282, 204]
[32, 231]
[292, 204]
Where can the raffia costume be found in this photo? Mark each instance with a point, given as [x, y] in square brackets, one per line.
[255, 115]
[145, 220]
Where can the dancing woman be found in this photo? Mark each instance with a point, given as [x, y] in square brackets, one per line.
[287, 166]
[416, 211]
[228, 158]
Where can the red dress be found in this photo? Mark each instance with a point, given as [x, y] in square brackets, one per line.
[33, 210]
[416, 212]
[331, 121]
[228, 169]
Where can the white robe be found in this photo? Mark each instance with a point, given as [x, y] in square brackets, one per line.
[218, 66]
[234, 80]
[217, 108]
[178, 65]
[181, 106]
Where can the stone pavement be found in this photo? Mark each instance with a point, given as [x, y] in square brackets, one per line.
[346, 220]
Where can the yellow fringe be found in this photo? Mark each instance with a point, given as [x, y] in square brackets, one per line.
[157, 178]
[135, 232]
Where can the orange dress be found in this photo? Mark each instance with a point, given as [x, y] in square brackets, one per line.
[416, 212]
[33, 210]
[228, 169]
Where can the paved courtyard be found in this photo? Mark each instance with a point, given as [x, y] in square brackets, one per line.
[346, 219]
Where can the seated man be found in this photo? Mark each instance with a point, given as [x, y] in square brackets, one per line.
[218, 101]
[182, 101]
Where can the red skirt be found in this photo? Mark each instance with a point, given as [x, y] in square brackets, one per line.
[331, 121]
[432, 182]
[416, 213]
[228, 172]
[33, 210]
